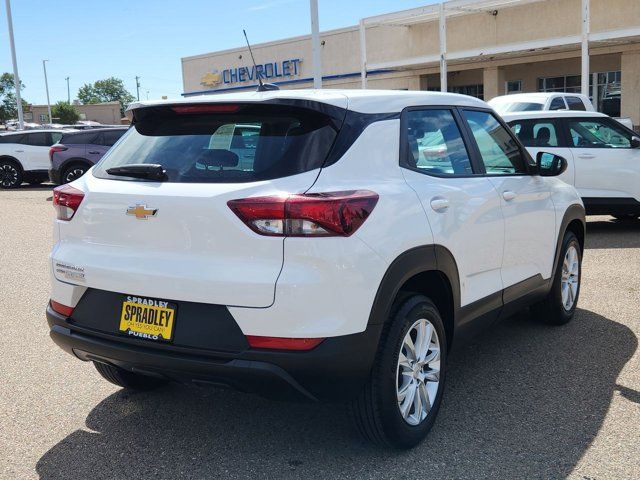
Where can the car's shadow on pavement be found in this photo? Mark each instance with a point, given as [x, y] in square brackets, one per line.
[524, 400]
[607, 232]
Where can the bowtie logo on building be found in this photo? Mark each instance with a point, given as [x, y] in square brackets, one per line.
[211, 79]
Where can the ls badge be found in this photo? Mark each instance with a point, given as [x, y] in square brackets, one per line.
[142, 212]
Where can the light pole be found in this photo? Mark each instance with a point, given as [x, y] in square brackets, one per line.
[16, 78]
[46, 86]
[138, 87]
[68, 91]
[315, 44]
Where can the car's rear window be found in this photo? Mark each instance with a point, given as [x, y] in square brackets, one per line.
[518, 107]
[223, 143]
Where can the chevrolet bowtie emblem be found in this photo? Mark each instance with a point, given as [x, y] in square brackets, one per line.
[142, 212]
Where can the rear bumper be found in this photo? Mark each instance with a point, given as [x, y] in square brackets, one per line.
[333, 371]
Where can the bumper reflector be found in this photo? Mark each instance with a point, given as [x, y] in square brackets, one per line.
[61, 309]
[279, 343]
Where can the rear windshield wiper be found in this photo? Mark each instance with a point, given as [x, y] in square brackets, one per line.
[149, 171]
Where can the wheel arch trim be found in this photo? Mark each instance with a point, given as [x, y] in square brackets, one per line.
[417, 260]
[573, 213]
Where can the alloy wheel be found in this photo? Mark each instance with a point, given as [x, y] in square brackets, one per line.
[418, 372]
[73, 174]
[8, 175]
[570, 278]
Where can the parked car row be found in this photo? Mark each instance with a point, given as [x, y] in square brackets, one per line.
[61, 156]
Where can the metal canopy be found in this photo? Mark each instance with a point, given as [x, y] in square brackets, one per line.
[432, 12]
[440, 12]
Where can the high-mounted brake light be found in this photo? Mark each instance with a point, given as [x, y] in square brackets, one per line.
[61, 309]
[56, 148]
[210, 108]
[331, 214]
[280, 343]
[66, 201]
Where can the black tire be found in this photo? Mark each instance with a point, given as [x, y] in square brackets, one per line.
[73, 172]
[376, 411]
[552, 309]
[10, 174]
[128, 380]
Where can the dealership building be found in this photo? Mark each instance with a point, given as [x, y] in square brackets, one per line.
[481, 48]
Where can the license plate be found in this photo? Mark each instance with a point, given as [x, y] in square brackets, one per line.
[148, 318]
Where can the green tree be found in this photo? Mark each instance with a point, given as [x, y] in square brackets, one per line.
[65, 112]
[108, 90]
[8, 104]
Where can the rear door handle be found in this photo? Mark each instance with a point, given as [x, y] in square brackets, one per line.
[586, 155]
[508, 195]
[19, 151]
[439, 204]
[94, 152]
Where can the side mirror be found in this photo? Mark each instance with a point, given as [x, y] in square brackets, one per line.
[550, 164]
[635, 142]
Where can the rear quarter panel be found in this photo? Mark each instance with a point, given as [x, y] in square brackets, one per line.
[327, 285]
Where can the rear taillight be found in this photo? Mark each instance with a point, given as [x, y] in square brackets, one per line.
[61, 309]
[331, 214]
[66, 201]
[56, 148]
[280, 343]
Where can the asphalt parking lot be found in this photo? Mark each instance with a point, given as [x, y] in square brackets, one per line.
[522, 401]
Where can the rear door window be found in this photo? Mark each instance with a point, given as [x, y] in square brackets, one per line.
[536, 133]
[575, 103]
[39, 139]
[557, 104]
[79, 138]
[225, 143]
[109, 137]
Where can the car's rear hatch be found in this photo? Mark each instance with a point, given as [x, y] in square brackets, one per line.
[177, 239]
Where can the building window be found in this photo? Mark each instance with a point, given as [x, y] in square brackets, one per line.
[43, 118]
[513, 86]
[565, 83]
[605, 88]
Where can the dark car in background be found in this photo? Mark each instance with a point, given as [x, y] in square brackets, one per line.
[78, 151]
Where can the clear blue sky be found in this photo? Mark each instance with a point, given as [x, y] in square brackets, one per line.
[88, 40]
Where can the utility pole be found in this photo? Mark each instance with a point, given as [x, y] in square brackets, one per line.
[16, 78]
[138, 87]
[68, 91]
[315, 44]
[46, 86]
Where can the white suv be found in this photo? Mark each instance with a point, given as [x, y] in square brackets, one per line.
[24, 156]
[370, 231]
[603, 156]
